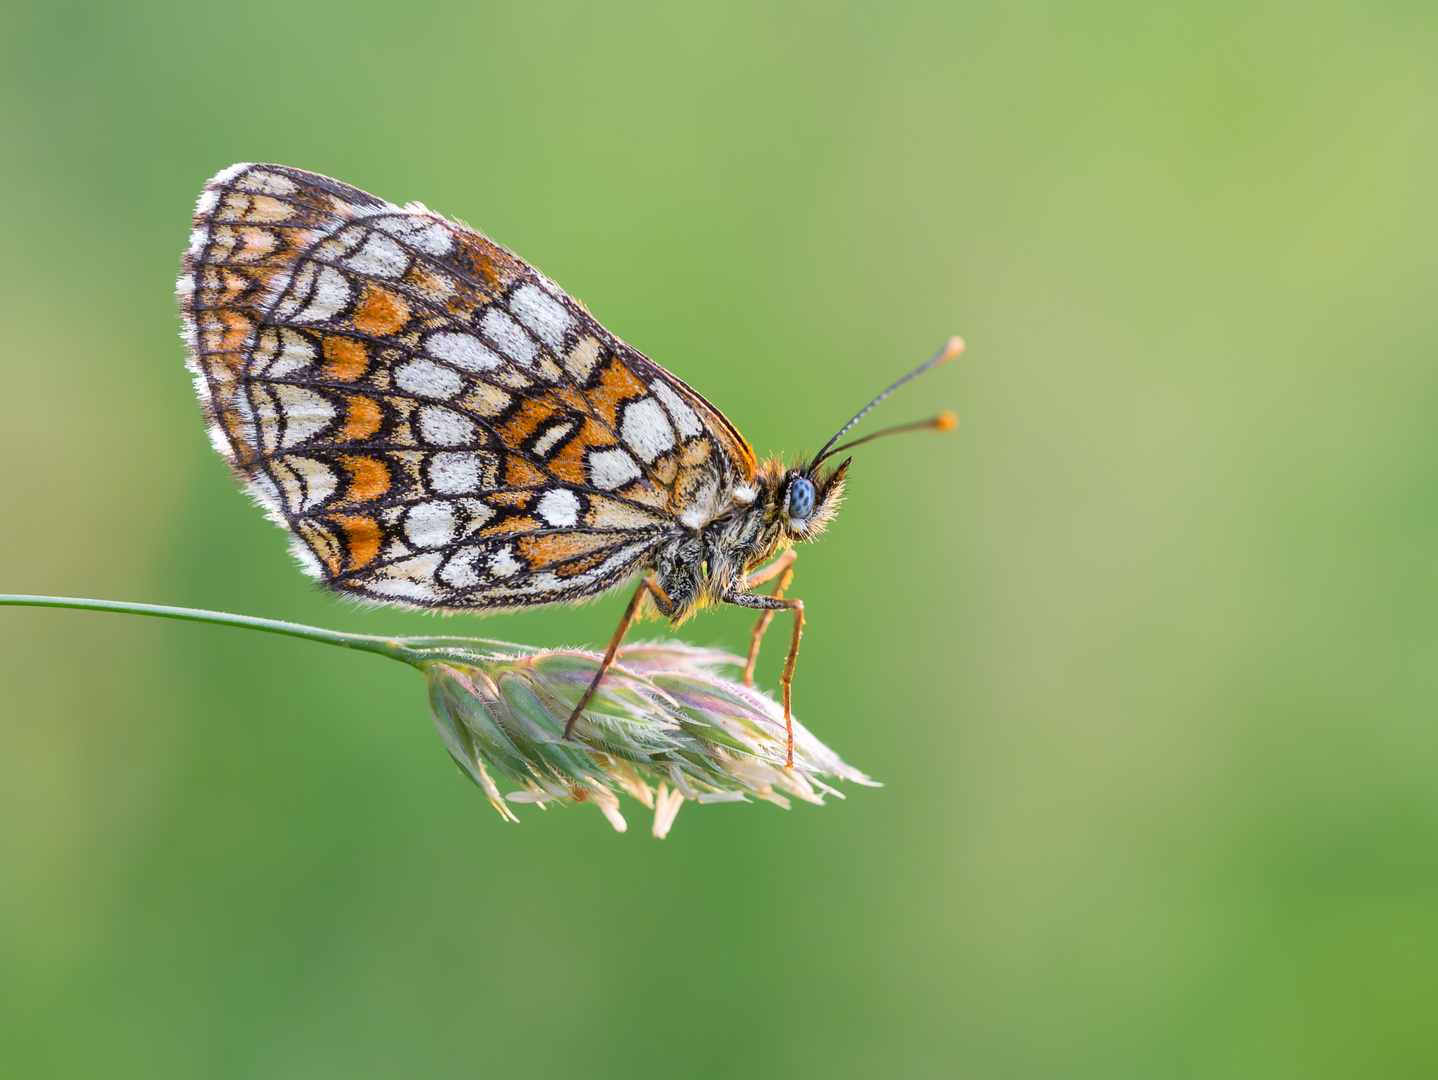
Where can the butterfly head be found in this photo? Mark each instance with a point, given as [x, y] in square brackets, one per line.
[806, 499]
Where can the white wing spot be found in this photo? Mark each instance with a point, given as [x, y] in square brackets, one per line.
[429, 379]
[433, 240]
[541, 313]
[319, 481]
[509, 336]
[609, 469]
[427, 236]
[409, 579]
[646, 429]
[295, 353]
[460, 571]
[306, 413]
[478, 514]
[430, 524]
[502, 563]
[546, 442]
[265, 415]
[441, 427]
[581, 359]
[462, 350]
[332, 293]
[454, 474]
[560, 508]
[684, 418]
[268, 183]
[380, 257]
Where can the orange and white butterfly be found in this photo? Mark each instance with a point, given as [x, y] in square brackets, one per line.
[437, 424]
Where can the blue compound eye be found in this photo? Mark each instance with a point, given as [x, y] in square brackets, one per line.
[801, 498]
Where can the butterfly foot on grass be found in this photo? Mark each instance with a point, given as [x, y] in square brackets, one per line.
[439, 425]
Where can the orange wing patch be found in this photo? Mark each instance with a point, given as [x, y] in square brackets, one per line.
[521, 473]
[363, 536]
[617, 384]
[369, 479]
[380, 312]
[362, 419]
[547, 550]
[346, 359]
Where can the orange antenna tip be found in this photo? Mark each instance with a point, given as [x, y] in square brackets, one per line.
[951, 349]
[946, 421]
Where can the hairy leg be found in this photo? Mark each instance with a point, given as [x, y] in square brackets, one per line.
[786, 681]
[781, 568]
[770, 572]
[647, 585]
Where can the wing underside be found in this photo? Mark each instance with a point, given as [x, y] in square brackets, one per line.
[434, 421]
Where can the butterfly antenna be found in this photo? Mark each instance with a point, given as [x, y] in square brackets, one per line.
[943, 422]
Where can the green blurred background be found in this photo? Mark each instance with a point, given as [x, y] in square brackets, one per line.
[1144, 653]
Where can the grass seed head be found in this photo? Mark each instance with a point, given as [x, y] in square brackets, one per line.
[665, 727]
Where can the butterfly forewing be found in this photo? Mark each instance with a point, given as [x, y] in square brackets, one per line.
[434, 421]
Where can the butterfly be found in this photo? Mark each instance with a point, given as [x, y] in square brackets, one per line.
[439, 425]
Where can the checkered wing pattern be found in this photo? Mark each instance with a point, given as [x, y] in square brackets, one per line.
[434, 421]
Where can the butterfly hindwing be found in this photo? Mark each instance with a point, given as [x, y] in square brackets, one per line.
[434, 421]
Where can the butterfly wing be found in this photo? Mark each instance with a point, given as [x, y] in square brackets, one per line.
[434, 421]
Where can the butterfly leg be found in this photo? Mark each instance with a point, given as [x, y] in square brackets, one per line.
[771, 604]
[780, 568]
[647, 585]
